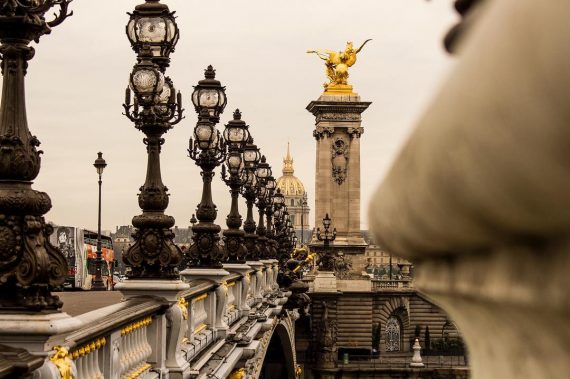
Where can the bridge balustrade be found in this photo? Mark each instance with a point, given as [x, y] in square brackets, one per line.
[155, 336]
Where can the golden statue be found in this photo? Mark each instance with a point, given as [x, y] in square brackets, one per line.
[336, 67]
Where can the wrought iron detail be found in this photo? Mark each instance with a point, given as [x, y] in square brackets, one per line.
[393, 334]
[29, 265]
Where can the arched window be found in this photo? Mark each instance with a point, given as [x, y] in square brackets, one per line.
[393, 334]
[292, 202]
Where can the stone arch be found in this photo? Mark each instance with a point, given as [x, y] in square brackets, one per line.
[397, 307]
[280, 359]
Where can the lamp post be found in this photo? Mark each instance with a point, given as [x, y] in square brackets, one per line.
[303, 206]
[207, 149]
[30, 265]
[263, 172]
[236, 135]
[251, 159]
[98, 284]
[327, 260]
[278, 211]
[269, 211]
[157, 107]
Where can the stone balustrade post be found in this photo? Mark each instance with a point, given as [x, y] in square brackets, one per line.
[478, 197]
[243, 285]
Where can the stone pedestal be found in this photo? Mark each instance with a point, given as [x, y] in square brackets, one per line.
[243, 270]
[325, 281]
[258, 275]
[417, 358]
[217, 276]
[166, 289]
[170, 328]
[337, 132]
[32, 331]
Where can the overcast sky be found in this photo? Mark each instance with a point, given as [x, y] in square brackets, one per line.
[76, 82]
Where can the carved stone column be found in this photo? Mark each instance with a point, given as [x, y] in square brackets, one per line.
[337, 182]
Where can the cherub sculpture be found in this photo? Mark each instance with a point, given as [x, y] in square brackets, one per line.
[337, 64]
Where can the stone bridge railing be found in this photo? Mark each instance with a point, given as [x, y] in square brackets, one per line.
[206, 329]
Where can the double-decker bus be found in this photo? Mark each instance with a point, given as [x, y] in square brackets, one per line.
[79, 247]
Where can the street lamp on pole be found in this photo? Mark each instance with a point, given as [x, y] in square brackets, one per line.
[98, 284]
[327, 260]
[303, 206]
[156, 108]
[30, 266]
[207, 149]
[236, 135]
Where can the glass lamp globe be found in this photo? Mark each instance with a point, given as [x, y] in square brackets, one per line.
[271, 184]
[146, 80]
[234, 162]
[279, 198]
[100, 163]
[210, 95]
[327, 222]
[203, 133]
[165, 99]
[236, 133]
[263, 171]
[250, 154]
[153, 25]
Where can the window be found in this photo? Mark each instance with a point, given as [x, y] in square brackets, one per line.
[393, 334]
[292, 202]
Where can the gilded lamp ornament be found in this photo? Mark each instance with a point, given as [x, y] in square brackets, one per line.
[29, 265]
[336, 67]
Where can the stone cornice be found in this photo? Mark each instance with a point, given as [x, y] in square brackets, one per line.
[337, 107]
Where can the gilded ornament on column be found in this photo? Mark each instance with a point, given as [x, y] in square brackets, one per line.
[336, 67]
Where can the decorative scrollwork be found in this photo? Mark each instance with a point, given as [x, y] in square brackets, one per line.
[321, 132]
[393, 334]
[339, 160]
[153, 255]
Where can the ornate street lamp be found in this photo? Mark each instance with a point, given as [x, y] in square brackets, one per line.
[29, 265]
[327, 260]
[236, 135]
[98, 284]
[155, 110]
[263, 172]
[152, 25]
[208, 150]
[269, 210]
[251, 158]
[303, 207]
[210, 95]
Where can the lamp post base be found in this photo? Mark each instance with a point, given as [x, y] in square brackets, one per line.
[98, 283]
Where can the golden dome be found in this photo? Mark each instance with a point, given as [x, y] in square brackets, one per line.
[289, 184]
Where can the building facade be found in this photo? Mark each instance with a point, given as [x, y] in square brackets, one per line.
[295, 195]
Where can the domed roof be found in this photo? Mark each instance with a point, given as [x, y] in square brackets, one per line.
[289, 184]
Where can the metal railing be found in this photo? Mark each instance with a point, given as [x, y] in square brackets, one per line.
[384, 362]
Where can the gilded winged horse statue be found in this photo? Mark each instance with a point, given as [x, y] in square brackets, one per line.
[337, 64]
